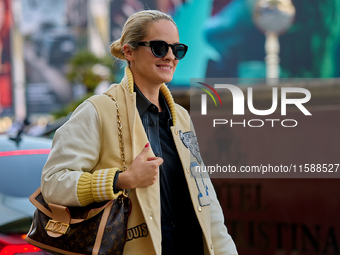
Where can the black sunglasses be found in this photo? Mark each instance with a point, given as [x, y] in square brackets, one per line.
[160, 48]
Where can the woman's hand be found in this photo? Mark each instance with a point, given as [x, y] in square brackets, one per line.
[141, 173]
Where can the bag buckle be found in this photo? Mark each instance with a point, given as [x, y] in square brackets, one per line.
[57, 227]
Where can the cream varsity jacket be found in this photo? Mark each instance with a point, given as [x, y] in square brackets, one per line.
[85, 156]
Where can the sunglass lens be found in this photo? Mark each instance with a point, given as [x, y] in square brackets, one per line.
[160, 48]
[180, 51]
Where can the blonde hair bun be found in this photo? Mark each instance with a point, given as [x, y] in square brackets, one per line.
[116, 50]
[136, 29]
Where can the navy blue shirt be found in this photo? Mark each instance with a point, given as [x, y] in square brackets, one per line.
[181, 232]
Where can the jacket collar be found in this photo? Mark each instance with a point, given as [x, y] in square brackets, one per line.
[128, 83]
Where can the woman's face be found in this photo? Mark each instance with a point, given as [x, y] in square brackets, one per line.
[149, 70]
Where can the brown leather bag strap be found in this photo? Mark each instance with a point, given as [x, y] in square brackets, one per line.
[101, 229]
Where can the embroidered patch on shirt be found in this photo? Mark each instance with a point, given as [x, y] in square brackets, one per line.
[203, 194]
[190, 141]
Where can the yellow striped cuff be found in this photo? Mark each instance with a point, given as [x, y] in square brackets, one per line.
[96, 187]
[84, 191]
[102, 185]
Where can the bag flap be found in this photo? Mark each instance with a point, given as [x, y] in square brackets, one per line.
[60, 221]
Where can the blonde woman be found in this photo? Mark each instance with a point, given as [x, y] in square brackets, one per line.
[174, 210]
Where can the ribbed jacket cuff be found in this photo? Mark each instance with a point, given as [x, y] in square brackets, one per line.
[84, 191]
[96, 187]
[102, 184]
